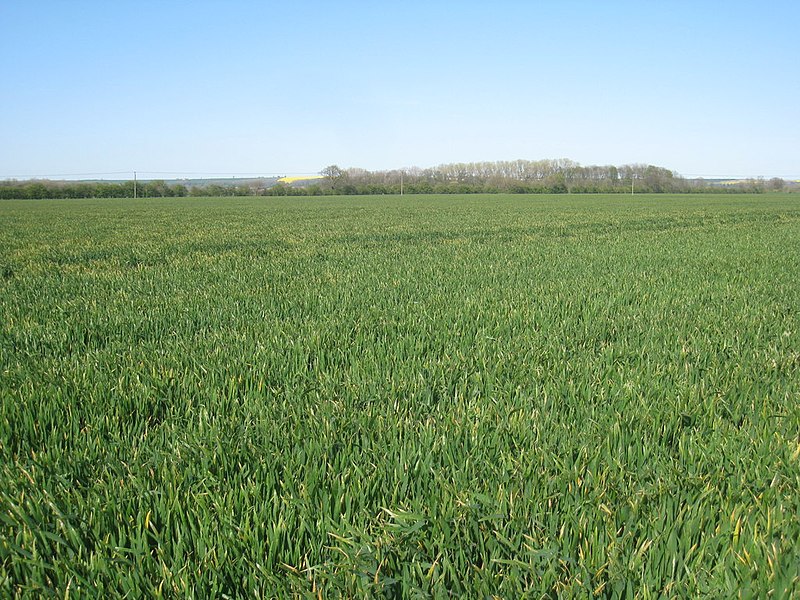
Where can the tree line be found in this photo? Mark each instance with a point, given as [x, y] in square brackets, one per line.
[559, 176]
[38, 189]
[89, 189]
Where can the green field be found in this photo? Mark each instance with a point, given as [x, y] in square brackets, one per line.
[400, 397]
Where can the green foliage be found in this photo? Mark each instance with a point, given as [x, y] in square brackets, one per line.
[14, 190]
[400, 397]
[515, 177]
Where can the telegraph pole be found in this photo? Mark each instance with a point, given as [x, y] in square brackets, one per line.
[134, 184]
[401, 183]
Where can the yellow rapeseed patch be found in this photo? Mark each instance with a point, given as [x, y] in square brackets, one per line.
[303, 178]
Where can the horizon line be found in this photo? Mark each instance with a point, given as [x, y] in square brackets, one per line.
[143, 175]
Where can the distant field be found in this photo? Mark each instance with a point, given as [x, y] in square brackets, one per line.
[299, 178]
[400, 397]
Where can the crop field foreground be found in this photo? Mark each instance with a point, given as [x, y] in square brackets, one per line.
[401, 397]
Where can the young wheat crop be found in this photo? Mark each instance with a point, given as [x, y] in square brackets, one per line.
[401, 397]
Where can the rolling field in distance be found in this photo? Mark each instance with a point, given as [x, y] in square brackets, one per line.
[396, 397]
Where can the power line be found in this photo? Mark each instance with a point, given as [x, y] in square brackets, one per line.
[738, 177]
[172, 174]
[225, 173]
[39, 176]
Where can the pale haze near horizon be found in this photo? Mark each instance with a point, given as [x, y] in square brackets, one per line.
[102, 89]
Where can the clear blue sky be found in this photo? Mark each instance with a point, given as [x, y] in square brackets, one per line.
[703, 88]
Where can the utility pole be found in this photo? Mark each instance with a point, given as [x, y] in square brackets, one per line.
[401, 183]
[134, 184]
[633, 178]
